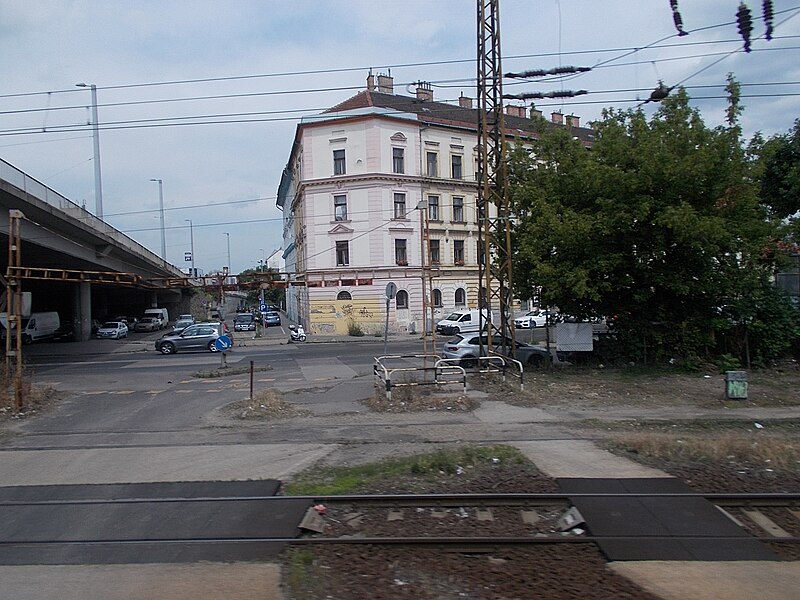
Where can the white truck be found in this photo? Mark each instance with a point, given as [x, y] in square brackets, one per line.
[38, 326]
[464, 321]
[159, 314]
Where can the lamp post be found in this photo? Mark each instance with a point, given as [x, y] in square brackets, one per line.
[191, 244]
[161, 214]
[98, 184]
[229, 252]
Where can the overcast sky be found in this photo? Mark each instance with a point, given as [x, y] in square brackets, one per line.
[157, 64]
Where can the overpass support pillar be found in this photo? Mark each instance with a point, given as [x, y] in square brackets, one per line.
[82, 317]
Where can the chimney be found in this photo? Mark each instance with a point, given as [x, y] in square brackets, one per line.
[557, 118]
[573, 121]
[535, 113]
[464, 101]
[424, 91]
[371, 82]
[386, 84]
[515, 111]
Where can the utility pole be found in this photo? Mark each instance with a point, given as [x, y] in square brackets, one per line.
[494, 225]
[98, 179]
[14, 313]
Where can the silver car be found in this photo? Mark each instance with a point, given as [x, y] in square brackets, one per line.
[200, 336]
[466, 347]
[114, 330]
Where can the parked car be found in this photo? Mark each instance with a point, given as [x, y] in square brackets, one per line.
[113, 329]
[200, 336]
[272, 318]
[244, 322]
[467, 349]
[532, 319]
[186, 317]
[182, 324]
[148, 324]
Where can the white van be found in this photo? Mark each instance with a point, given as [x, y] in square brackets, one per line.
[160, 314]
[461, 321]
[39, 326]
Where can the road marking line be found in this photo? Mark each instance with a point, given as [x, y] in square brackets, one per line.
[183, 391]
[154, 391]
[213, 391]
[123, 392]
[95, 393]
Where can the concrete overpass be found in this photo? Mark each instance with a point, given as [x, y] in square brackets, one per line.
[58, 236]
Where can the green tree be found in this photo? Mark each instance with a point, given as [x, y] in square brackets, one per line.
[660, 225]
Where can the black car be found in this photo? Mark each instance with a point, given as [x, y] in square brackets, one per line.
[244, 322]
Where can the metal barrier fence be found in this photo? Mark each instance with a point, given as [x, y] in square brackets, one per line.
[443, 372]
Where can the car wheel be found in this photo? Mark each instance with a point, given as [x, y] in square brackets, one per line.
[212, 347]
[167, 348]
[26, 339]
[535, 361]
[469, 362]
[456, 330]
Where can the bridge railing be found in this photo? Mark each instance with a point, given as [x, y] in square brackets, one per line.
[29, 185]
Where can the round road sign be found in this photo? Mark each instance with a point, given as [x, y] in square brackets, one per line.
[223, 343]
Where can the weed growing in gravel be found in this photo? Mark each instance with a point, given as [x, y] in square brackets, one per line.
[328, 481]
[264, 405]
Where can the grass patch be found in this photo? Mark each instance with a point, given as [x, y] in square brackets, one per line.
[329, 481]
[779, 451]
[782, 426]
[230, 371]
[302, 573]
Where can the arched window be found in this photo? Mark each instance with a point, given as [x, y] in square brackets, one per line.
[401, 300]
[461, 297]
[344, 296]
[437, 298]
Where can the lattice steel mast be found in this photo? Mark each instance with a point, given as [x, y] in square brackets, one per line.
[494, 230]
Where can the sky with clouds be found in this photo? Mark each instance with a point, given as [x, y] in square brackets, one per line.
[206, 95]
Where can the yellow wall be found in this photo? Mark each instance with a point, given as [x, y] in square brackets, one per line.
[334, 317]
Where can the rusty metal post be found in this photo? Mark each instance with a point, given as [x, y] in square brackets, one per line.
[14, 313]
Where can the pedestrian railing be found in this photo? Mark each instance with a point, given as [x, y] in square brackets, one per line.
[429, 370]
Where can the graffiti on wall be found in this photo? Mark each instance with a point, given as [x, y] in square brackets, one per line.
[341, 316]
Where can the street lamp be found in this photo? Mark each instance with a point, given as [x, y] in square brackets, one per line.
[98, 185]
[191, 244]
[229, 252]
[161, 211]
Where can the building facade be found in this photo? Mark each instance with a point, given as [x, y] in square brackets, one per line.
[381, 189]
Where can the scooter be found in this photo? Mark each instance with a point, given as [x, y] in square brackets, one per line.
[297, 333]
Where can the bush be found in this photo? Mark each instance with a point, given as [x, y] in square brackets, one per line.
[354, 329]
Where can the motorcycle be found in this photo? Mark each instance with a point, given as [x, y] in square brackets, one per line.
[297, 333]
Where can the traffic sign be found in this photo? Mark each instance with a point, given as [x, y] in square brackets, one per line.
[223, 343]
[187, 256]
[391, 290]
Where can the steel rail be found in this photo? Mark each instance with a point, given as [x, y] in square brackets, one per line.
[414, 500]
[399, 541]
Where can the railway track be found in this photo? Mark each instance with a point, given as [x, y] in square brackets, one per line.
[462, 522]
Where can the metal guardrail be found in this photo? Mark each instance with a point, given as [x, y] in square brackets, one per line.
[495, 363]
[441, 372]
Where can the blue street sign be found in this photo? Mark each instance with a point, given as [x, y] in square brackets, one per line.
[223, 343]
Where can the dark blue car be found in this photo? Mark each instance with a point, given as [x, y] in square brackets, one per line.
[272, 318]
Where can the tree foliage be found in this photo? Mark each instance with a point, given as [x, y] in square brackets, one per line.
[660, 225]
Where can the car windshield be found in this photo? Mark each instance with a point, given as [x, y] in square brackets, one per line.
[453, 317]
[110, 325]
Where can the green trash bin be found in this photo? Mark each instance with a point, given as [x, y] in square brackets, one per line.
[736, 385]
